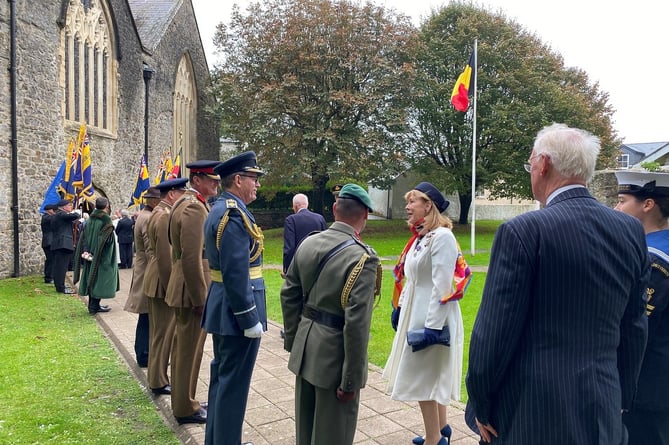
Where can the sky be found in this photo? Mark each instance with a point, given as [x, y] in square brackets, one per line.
[620, 45]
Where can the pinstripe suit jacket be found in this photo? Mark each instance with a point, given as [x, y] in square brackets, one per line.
[558, 340]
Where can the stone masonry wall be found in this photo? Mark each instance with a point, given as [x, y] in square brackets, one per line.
[43, 135]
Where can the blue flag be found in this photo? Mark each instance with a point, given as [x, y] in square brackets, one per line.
[51, 196]
[141, 185]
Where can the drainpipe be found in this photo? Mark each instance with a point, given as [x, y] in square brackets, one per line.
[14, 155]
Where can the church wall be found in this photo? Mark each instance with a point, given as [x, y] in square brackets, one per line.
[182, 37]
[43, 136]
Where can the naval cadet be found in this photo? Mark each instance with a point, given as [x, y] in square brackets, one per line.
[327, 302]
[645, 195]
[187, 289]
[235, 313]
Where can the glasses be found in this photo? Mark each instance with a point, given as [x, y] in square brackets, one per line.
[254, 177]
[528, 166]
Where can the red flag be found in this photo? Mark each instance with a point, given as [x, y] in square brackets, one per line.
[464, 87]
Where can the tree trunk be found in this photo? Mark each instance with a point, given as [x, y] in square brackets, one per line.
[319, 183]
[465, 204]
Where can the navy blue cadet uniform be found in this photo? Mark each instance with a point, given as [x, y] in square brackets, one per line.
[645, 195]
[235, 302]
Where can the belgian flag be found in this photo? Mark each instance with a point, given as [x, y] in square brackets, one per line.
[464, 87]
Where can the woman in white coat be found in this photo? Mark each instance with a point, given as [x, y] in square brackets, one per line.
[431, 376]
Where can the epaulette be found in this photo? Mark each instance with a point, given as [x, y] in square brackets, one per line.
[231, 203]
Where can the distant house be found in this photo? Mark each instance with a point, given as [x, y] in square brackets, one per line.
[632, 155]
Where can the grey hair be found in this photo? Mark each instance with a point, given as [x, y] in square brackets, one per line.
[573, 152]
[301, 200]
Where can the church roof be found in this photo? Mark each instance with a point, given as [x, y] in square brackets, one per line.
[152, 18]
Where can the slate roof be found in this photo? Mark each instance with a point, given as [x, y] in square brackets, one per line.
[152, 18]
[645, 148]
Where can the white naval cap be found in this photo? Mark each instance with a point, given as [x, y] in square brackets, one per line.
[643, 183]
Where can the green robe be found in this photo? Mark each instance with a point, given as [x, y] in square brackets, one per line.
[99, 278]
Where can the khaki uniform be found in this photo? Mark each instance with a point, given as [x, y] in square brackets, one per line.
[327, 335]
[137, 301]
[187, 289]
[161, 316]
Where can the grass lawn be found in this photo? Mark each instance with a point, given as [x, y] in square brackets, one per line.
[61, 381]
[388, 239]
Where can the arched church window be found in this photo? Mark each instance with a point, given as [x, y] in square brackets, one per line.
[184, 139]
[88, 71]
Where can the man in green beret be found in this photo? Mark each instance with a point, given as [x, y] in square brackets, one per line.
[327, 302]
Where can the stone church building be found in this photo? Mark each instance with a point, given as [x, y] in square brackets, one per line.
[133, 70]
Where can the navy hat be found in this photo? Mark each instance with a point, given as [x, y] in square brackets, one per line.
[152, 192]
[434, 194]
[245, 162]
[63, 203]
[643, 183]
[336, 189]
[354, 191]
[172, 184]
[50, 207]
[203, 167]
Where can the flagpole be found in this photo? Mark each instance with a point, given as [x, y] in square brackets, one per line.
[473, 205]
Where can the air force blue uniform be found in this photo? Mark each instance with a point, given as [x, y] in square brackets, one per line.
[236, 301]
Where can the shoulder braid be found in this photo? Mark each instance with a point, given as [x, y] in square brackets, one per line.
[252, 228]
[351, 279]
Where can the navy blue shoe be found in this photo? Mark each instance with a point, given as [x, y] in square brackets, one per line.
[445, 432]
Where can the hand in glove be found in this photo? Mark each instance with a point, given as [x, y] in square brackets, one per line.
[254, 331]
[395, 317]
[431, 335]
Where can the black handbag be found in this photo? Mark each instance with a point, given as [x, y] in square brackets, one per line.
[417, 341]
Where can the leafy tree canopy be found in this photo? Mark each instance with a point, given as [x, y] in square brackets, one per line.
[522, 86]
[318, 88]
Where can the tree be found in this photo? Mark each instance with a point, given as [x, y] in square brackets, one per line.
[318, 88]
[522, 86]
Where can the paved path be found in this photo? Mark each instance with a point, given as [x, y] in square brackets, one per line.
[270, 412]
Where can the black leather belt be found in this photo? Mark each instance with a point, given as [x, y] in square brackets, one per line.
[325, 318]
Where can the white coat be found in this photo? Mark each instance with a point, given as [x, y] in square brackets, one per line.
[435, 372]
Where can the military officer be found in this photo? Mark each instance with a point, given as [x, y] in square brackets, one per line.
[158, 270]
[187, 288]
[235, 313]
[327, 300]
[137, 301]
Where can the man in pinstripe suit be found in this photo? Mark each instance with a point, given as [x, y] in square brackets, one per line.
[558, 341]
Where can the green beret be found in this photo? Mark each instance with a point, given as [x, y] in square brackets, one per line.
[353, 191]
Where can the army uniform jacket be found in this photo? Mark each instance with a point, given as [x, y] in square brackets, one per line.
[234, 245]
[137, 301]
[158, 252]
[190, 271]
[325, 356]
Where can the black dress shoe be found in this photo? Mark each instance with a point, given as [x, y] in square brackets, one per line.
[167, 389]
[200, 416]
[94, 311]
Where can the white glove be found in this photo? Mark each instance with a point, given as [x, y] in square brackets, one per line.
[254, 332]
